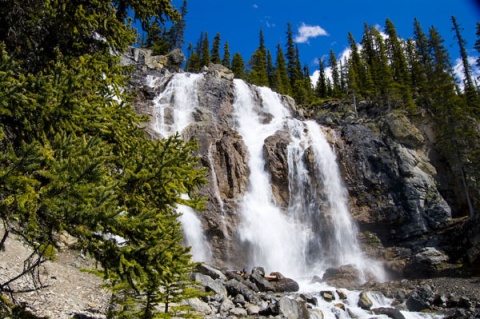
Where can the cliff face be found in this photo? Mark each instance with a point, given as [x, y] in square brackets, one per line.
[398, 187]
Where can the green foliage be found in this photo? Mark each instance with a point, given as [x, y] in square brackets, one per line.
[73, 158]
[238, 66]
[215, 58]
[226, 56]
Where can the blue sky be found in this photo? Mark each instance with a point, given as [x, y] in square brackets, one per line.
[327, 22]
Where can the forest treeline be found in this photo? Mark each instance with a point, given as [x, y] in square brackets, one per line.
[413, 76]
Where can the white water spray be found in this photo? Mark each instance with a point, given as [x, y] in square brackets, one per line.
[316, 232]
[173, 112]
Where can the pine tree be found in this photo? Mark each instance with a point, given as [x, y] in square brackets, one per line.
[424, 67]
[226, 56]
[469, 87]
[398, 66]
[215, 58]
[356, 67]
[238, 66]
[281, 73]
[454, 127]
[205, 51]
[258, 65]
[73, 157]
[335, 75]
[270, 70]
[291, 57]
[321, 86]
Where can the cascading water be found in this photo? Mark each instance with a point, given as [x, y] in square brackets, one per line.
[173, 111]
[316, 231]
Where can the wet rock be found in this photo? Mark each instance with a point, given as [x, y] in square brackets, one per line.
[327, 295]
[390, 312]
[344, 276]
[310, 299]
[262, 283]
[286, 285]
[316, 314]
[364, 301]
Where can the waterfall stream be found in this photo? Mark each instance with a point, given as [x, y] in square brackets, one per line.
[315, 231]
[173, 109]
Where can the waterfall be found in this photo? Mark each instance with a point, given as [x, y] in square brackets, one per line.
[175, 105]
[173, 112]
[269, 233]
[316, 231]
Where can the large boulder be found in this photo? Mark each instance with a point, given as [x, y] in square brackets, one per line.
[276, 158]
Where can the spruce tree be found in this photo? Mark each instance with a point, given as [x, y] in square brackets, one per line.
[73, 157]
[258, 64]
[215, 58]
[205, 51]
[282, 73]
[335, 75]
[321, 86]
[291, 57]
[238, 66]
[469, 87]
[226, 55]
[398, 66]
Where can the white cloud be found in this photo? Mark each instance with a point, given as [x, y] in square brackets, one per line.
[458, 70]
[343, 57]
[305, 32]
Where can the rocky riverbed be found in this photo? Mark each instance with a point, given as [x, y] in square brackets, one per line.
[72, 293]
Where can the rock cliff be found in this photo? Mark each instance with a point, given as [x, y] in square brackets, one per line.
[399, 195]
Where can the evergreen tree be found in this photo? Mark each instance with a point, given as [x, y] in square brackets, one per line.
[291, 57]
[398, 66]
[321, 86]
[73, 157]
[355, 65]
[477, 43]
[424, 68]
[226, 56]
[281, 73]
[308, 84]
[335, 75]
[258, 64]
[469, 87]
[238, 66]
[215, 58]
[177, 31]
[205, 51]
[270, 70]
[455, 133]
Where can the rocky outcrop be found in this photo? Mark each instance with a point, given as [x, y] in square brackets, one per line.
[396, 186]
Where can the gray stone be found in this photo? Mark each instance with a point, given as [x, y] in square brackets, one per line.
[210, 271]
[210, 284]
[293, 309]
[226, 305]
[239, 312]
[390, 312]
[199, 305]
